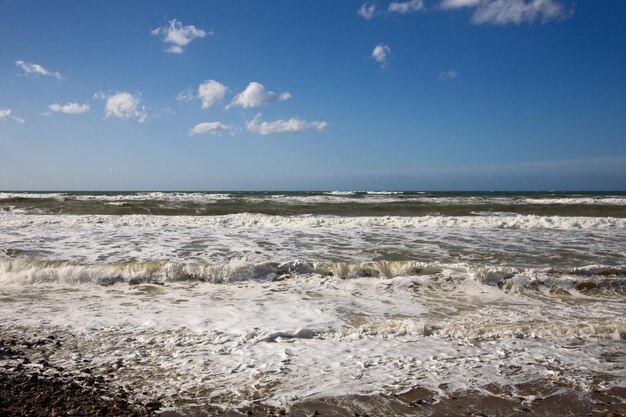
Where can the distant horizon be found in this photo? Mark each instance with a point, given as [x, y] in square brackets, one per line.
[622, 191]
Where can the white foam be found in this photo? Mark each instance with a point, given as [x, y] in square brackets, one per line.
[279, 308]
[143, 196]
[314, 336]
[35, 196]
[501, 221]
[342, 192]
[359, 197]
[604, 200]
[258, 238]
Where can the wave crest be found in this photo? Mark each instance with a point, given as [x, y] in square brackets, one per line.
[503, 221]
[435, 276]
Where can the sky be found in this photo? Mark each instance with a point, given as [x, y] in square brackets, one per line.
[313, 95]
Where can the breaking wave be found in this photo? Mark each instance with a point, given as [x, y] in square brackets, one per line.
[589, 279]
[354, 203]
[500, 221]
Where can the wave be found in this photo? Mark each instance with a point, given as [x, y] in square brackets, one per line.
[363, 193]
[321, 197]
[342, 193]
[243, 220]
[337, 203]
[141, 196]
[588, 279]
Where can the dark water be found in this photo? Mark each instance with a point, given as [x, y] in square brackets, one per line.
[318, 203]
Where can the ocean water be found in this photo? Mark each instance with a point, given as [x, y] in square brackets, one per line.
[231, 298]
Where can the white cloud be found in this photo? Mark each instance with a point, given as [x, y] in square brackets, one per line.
[381, 53]
[100, 95]
[185, 95]
[281, 126]
[37, 70]
[7, 114]
[175, 36]
[448, 75]
[211, 92]
[255, 95]
[211, 128]
[367, 10]
[174, 49]
[457, 4]
[406, 6]
[69, 108]
[125, 106]
[502, 12]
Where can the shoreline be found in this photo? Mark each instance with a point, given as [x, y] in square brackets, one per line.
[30, 385]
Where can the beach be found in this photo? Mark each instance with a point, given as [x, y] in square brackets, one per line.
[345, 303]
[31, 385]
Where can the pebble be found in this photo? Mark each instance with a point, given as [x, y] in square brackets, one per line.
[154, 405]
[41, 390]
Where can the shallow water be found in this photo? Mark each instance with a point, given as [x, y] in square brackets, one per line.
[290, 296]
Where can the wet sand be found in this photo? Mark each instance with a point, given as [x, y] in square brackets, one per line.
[552, 400]
[31, 386]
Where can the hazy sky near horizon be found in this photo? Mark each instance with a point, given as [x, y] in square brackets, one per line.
[280, 95]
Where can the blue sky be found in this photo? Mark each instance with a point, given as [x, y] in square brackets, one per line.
[279, 95]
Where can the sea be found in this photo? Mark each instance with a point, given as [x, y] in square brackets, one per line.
[236, 298]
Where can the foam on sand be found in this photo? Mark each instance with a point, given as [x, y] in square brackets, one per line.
[314, 336]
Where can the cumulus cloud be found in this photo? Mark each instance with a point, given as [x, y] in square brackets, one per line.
[7, 114]
[502, 12]
[36, 70]
[255, 95]
[367, 10]
[406, 6]
[380, 53]
[125, 106]
[211, 92]
[185, 95]
[175, 36]
[69, 108]
[448, 75]
[211, 128]
[256, 125]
